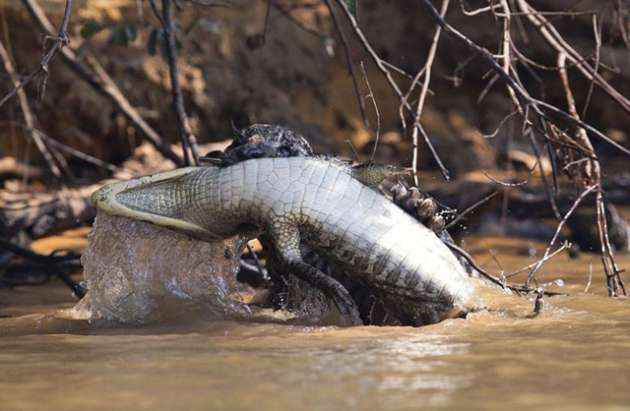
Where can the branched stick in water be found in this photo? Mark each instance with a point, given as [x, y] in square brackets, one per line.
[576, 203]
[592, 174]
[543, 113]
[47, 264]
[519, 289]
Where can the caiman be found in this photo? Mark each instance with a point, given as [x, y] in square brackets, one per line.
[318, 202]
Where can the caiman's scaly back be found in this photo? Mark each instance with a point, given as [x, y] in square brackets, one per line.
[315, 201]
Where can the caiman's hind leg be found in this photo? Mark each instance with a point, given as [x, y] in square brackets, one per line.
[286, 240]
[330, 286]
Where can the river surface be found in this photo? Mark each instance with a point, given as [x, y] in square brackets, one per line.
[575, 355]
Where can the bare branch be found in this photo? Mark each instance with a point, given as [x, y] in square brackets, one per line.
[60, 41]
[555, 40]
[29, 119]
[189, 141]
[376, 111]
[346, 49]
[503, 183]
[470, 208]
[423, 93]
[517, 289]
[592, 174]
[598, 46]
[103, 84]
[576, 203]
[560, 249]
[506, 49]
[522, 95]
[388, 76]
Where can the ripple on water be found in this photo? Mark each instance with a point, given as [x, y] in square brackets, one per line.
[574, 355]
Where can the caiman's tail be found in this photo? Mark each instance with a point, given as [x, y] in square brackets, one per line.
[161, 199]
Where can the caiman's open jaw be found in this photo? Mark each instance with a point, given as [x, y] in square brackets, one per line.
[119, 199]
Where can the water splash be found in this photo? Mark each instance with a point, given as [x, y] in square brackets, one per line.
[137, 272]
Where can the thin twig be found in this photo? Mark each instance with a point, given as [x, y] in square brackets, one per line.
[354, 150]
[590, 278]
[475, 12]
[528, 132]
[266, 22]
[103, 84]
[516, 288]
[60, 40]
[503, 183]
[350, 66]
[299, 24]
[376, 111]
[506, 50]
[563, 247]
[487, 88]
[77, 153]
[576, 203]
[555, 40]
[400, 71]
[388, 76]
[598, 46]
[189, 141]
[423, 93]
[506, 118]
[470, 209]
[29, 119]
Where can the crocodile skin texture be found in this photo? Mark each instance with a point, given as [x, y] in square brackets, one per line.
[319, 203]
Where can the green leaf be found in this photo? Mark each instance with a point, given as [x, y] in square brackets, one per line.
[90, 28]
[124, 34]
[132, 33]
[158, 42]
[352, 7]
[152, 43]
[163, 47]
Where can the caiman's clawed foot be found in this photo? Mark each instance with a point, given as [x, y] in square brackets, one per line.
[333, 288]
[417, 204]
[285, 236]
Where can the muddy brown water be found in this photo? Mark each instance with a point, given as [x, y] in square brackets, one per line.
[574, 356]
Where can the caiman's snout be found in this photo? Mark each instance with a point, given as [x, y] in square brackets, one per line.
[99, 196]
